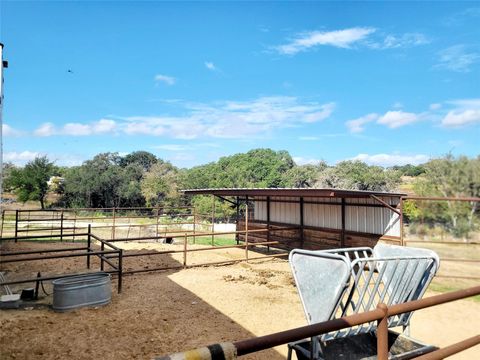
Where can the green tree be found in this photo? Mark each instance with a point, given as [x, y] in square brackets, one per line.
[357, 175]
[143, 158]
[160, 184]
[452, 177]
[30, 183]
[303, 176]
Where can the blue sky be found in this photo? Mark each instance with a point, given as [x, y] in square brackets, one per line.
[385, 82]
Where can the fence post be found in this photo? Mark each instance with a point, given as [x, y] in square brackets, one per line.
[113, 227]
[382, 333]
[246, 231]
[3, 219]
[156, 228]
[120, 270]
[194, 225]
[102, 248]
[213, 220]
[61, 226]
[16, 225]
[89, 241]
[185, 251]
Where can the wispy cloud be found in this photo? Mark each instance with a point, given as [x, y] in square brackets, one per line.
[396, 119]
[345, 38]
[103, 126]
[357, 125]
[387, 160]
[457, 58]
[172, 147]
[367, 37]
[230, 119]
[210, 66]
[400, 41]
[168, 80]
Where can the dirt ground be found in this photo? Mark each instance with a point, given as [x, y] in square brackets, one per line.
[163, 312]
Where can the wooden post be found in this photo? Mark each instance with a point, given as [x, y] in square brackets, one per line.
[213, 220]
[185, 251]
[113, 225]
[246, 231]
[120, 270]
[156, 227]
[89, 241]
[16, 225]
[61, 226]
[3, 219]
[194, 225]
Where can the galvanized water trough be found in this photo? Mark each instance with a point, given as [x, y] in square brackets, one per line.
[78, 291]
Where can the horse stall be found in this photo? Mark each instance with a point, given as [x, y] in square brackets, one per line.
[313, 219]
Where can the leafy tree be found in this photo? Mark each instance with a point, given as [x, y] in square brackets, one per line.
[357, 175]
[303, 176]
[452, 177]
[409, 170]
[143, 158]
[160, 184]
[30, 183]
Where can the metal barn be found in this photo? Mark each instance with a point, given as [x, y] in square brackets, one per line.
[315, 218]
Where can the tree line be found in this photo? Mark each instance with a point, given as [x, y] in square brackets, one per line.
[141, 179]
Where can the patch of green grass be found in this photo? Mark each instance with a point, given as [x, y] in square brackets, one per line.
[218, 240]
[443, 288]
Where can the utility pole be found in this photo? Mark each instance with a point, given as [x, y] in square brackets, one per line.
[3, 65]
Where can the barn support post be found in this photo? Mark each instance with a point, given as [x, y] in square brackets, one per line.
[302, 235]
[237, 218]
[342, 234]
[213, 220]
[268, 222]
[246, 231]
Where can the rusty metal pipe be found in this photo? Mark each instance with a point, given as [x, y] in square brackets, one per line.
[451, 349]
[41, 251]
[58, 256]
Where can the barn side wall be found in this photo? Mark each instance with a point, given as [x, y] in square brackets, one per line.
[313, 238]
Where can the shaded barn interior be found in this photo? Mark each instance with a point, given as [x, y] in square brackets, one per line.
[315, 218]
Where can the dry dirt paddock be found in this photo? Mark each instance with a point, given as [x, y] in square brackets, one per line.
[164, 312]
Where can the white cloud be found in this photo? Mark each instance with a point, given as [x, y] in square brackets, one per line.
[20, 158]
[338, 38]
[367, 37]
[46, 129]
[102, 126]
[465, 112]
[435, 106]
[456, 58]
[456, 118]
[395, 119]
[357, 125]
[230, 119]
[387, 160]
[402, 41]
[7, 130]
[308, 138]
[168, 80]
[305, 161]
[210, 65]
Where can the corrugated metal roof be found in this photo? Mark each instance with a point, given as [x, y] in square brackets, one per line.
[289, 192]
